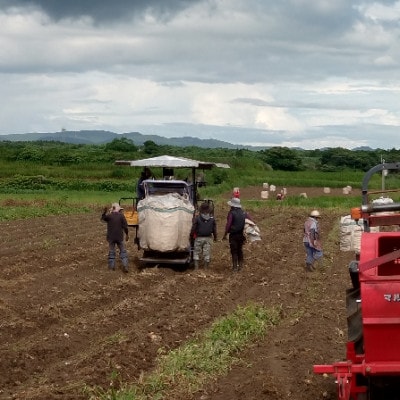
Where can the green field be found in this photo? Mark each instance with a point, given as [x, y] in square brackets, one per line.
[51, 178]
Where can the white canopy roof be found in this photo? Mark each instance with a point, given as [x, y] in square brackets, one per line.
[171, 162]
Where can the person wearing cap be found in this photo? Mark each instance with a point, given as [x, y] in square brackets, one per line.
[116, 227]
[234, 227]
[311, 240]
[204, 231]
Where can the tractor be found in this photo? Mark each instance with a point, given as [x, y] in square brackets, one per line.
[163, 218]
[371, 369]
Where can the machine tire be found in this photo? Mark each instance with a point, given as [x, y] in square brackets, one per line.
[354, 319]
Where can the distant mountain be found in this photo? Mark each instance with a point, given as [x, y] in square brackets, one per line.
[363, 148]
[100, 137]
[76, 137]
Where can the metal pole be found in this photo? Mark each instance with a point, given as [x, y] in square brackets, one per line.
[194, 187]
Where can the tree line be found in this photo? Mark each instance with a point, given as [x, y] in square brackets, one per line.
[276, 158]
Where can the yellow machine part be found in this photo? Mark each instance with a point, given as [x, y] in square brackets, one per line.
[132, 217]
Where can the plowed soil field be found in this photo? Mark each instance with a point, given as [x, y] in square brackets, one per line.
[67, 322]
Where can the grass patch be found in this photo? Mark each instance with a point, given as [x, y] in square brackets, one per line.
[306, 203]
[32, 205]
[61, 192]
[186, 369]
[44, 203]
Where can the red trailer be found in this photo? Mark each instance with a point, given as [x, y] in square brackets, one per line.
[371, 369]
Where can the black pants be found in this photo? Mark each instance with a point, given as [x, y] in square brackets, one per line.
[236, 241]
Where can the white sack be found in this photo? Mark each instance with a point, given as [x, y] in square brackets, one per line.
[165, 222]
[350, 234]
[383, 201]
[251, 231]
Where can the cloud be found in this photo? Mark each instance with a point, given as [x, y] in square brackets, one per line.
[299, 72]
[99, 10]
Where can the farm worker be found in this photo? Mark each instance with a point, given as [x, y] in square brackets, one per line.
[145, 174]
[280, 195]
[204, 231]
[139, 186]
[235, 223]
[311, 239]
[116, 227]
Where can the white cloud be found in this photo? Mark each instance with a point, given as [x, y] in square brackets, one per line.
[278, 119]
[296, 72]
[378, 11]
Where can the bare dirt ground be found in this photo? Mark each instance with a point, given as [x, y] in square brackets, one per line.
[66, 322]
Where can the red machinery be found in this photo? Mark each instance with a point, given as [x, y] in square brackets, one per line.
[372, 366]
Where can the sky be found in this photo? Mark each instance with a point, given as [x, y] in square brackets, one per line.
[294, 73]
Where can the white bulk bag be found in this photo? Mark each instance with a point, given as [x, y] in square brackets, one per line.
[165, 222]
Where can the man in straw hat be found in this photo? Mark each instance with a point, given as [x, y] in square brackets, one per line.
[116, 227]
[311, 240]
[235, 229]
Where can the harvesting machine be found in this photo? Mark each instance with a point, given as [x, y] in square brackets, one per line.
[372, 366]
[164, 217]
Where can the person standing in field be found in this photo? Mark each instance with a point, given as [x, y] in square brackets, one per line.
[117, 225]
[204, 232]
[312, 240]
[234, 227]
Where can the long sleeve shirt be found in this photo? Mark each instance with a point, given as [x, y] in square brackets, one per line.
[311, 231]
[116, 226]
[235, 221]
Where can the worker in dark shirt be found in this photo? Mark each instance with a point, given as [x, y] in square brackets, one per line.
[235, 229]
[204, 232]
[145, 174]
[116, 227]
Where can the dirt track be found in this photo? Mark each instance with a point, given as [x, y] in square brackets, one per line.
[66, 321]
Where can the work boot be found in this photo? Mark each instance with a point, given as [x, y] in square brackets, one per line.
[309, 267]
[240, 265]
[111, 260]
[196, 264]
[111, 265]
[235, 263]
